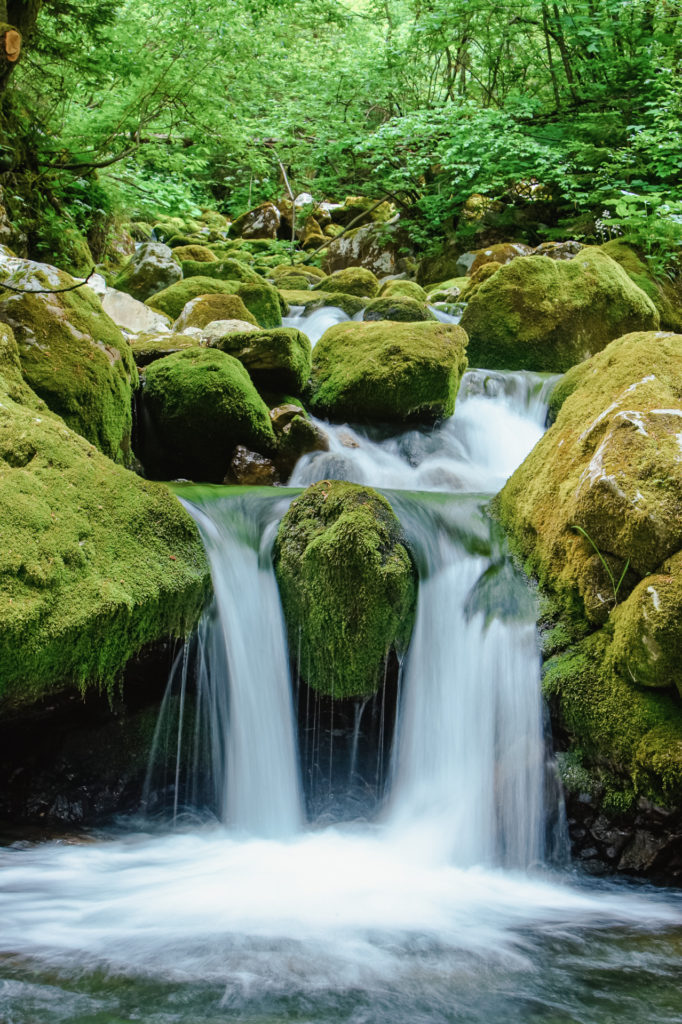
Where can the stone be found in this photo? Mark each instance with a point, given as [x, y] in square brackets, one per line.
[277, 361]
[132, 315]
[148, 271]
[350, 281]
[207, 309]
[250, 468]
[397, 309]
[262, 222]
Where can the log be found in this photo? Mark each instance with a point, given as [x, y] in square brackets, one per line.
[11, 44]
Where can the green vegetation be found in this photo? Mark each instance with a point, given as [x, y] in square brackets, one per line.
[348, 586]
[277, 361]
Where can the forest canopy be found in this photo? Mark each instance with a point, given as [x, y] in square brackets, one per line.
[170, 106]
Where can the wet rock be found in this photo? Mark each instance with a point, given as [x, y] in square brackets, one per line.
[250, 468]
[282, 415]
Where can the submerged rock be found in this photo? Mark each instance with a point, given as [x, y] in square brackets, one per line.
[148, 271]
[348, 587]
[199, 405]
[546, 315]
[94, 561]
[388, 371]
[72, 354]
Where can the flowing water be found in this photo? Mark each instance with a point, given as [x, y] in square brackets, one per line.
[445, 899]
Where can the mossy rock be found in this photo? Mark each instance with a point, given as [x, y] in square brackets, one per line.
[168, 227]
[94, 561]
[183, 241]
[173, 300]
[223, 270]
[610, 464]
[312, 300]
[388, 371]
[397, 309]
[72, 354]
[475, 280]
[546, 315]
[199, 405]
[205, 309]
[402, 290]
[147, 348]
[193, 254]
[632, 734]
[149, 270]
[348, 587]
[282, 274]
[351, 281]
[277, 360]
[68, 250]
[263, 301]
[141, 231]
[665, 294]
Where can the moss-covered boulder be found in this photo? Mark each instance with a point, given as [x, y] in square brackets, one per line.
[205, 309]
[610, 465]
[172, 300]
[312, 300]
[397, 309]
[502, 253]
[277, 360]
[222, 269]
[72, 354]
[148, 271]
[281, 273]
[666, 294]
[388, 371]
[263, 301]
[350, 281]
[402, 290]
[94, 561]
[348, 587]
[147, 348]
[547, 315]
[199, 405]
[194, 254]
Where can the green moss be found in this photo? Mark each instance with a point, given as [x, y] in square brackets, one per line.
[206, 308]
[94, 561]
[351, 281]
[285, 274]
[193, 254]
[172, 300]
[277, 360]
[397, 309]
[72, 355]
[388, 371]
[200, 404]
[312, 300]
[348, 586]
[148, 271]
[263, 301]
[222, 270]
[67, 249]
[635, 734]
[402, 290]
[544, 314]
[147, 348]
[665, 294]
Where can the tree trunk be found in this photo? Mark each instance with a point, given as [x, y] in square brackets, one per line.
[17, 23]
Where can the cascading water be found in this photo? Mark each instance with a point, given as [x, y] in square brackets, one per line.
[426, 913]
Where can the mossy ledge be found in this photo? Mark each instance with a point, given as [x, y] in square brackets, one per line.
[348, 586]
[95, 563]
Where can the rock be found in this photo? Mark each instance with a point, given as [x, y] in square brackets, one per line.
[217, 329]
[277, 361]
[402, 290]
[95, 562]
[351, 281]
[397, 309]
[312, 300]
[140, 231]
[503, 253]
[72, 354]
[387, 371]
[642, 852]
[558, 250]
[132, 315]
[281, 273]
[282, 415]
[474, 282]
[263, 222]
[194, 254]
[199, 405]
[206, 309]
[223, 269]
[172, 300]
[477, 209]
[147, 348]
[148, 271]
[296, 438]
[360, 209]
[379, 248]
[263, 301]
[250, 468]
[546, 315]
[348, 587]
[666, 294]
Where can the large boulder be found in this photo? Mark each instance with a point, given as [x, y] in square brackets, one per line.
[263, 222]
[388, 371]
[205, 309]
[149, 270]
[72, 354]
[131, 315]
[664, 292]
[379, 248]
[199, 404]
[397, 309]
[351, 281]
[397, 289]
[594, 515]
[348, 587]
[94, 561]
[261, 299]
[147, 348]
[547, 315]
[224, 269]
[278, 361]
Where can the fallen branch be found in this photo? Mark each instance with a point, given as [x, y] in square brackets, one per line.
[48, 291]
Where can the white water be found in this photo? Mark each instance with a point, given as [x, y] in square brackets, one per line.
[415, 917]
[316, 323]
